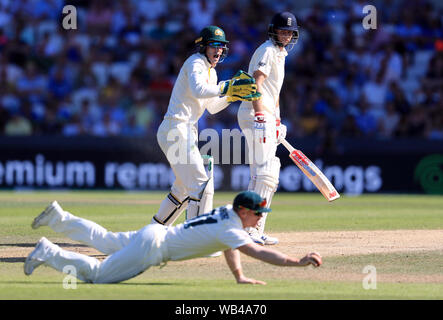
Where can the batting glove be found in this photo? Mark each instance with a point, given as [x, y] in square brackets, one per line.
[281, 131]
[260, 127]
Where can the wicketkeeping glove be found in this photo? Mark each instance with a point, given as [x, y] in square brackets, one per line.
[242, 75]
[250, 97]
[281, 131]
[240, 85]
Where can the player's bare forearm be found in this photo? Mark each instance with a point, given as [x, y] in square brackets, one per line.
[234, 262]
[259, 77]
[277, 110]
[268, 255]
[257, 104]
[258, 107]
[277, 258]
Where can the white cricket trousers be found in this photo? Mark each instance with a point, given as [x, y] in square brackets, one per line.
[178, 141]
[131, 253]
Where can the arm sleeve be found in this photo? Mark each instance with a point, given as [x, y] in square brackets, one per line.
[235, 238]
[264, 61]
[197, 82]
[216, 104]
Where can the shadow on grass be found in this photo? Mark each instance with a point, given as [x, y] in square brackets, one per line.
[146, 284]
[29, 282]
[32, 245]
[96, 284]
[12, 259]
[23, 259]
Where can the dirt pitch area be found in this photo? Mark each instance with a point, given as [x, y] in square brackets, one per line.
[328, 244]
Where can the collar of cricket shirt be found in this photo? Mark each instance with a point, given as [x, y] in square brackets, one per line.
[278, 52]
[283, 53]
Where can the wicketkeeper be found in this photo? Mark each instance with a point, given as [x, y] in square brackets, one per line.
[196, 90]
[260, 119]
[131, 253]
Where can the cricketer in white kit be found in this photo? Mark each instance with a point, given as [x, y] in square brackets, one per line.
[195, 90]
[260, 119]
[131, 253]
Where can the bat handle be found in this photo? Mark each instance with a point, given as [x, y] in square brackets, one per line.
[286, 144]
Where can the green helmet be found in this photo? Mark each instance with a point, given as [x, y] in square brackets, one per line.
[211, 33]
[214, 37]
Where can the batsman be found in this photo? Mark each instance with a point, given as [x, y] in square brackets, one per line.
[196, 90]
[260, 119]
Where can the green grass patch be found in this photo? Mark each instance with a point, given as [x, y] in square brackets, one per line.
[51, 287]
[410, 263]
[122, 211]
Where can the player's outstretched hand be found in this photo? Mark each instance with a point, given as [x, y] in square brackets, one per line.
[246, 280]
[313, 258]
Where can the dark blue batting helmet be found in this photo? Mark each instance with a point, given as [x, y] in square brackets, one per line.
[283, 21]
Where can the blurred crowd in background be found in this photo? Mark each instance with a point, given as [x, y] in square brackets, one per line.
[113, 75]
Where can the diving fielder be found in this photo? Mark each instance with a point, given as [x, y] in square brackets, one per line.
[195, 90]
[260, 119]
[131, 253]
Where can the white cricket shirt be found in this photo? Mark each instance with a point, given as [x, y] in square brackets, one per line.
[195, 88]
[270, 60]
[220, 230]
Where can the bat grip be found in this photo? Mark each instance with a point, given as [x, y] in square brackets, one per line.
[286, 144]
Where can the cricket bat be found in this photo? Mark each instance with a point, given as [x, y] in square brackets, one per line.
[312, 172]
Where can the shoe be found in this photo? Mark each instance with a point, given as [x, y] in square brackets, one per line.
[256, 237]
[268, 240]
[33, 261]
[43, 218]
[214, 255]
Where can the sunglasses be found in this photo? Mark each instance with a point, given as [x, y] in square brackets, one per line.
[258, 214]
[217, 45]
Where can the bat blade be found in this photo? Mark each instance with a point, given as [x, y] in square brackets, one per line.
[312, 172]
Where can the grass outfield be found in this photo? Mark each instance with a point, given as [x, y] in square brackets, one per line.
[412, 273]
